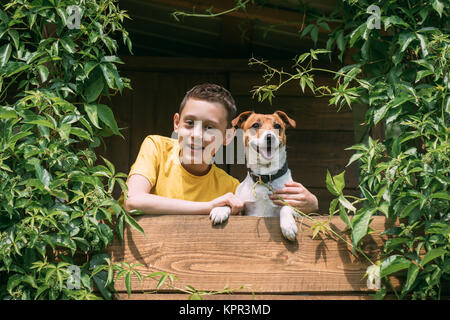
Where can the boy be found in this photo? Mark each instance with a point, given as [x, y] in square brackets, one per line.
[177, 177]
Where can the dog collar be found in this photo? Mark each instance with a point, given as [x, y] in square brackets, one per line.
[269, 177]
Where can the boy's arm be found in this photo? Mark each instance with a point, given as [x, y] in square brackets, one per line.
[139, 198]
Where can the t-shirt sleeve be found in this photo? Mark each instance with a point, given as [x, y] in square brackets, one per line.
[235, 184]
[147, 161]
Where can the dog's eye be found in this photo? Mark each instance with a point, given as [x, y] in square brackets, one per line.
[255, 125]
[277, 126]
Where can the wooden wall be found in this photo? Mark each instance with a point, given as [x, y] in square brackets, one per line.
[159, 84]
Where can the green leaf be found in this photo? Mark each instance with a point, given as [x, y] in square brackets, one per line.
[107, 74]
[68, 44]
[195, 296]
[91, 111]
[433, 254]
[354, 157]
[441, 195]
[360, 224]
[357, 33]
[422, 44]
[423, 73]
[393, 264]
[128, 283]
[161, 280]
[5, 53]
[106, 115]
[330, 184]
[393, 20]
[43, 175]
[130, 220]
[404, 39]
[306, 30]
[315, 34]
[7, 113]
[346, 203]
[438, 6]
[339, 181]
[406, 211]
[413, 271]
[15, 37]
[94, 87]
[80, 133]
[43, 72]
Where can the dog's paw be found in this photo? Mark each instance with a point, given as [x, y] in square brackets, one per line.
[288, 224]
[219, 214]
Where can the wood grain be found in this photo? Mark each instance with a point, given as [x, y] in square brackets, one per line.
[180, 296]
[309, 113]
[245, 251]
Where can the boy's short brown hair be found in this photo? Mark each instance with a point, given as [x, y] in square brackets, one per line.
[212, 93]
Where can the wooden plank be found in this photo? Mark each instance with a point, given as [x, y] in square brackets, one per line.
[200, 64]
[274, 15]
[245, 251]
[258, 296]
[309, 113]
[243, 83]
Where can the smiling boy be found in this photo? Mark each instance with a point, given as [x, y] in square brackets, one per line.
[177, 176]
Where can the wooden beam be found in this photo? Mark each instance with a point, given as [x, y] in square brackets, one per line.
[247, 251]
[275, 16]
[181, 296]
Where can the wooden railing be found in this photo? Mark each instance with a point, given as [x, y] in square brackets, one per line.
[246, 251]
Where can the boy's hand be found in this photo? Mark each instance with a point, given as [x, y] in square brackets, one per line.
[297, 196]
[228, 199]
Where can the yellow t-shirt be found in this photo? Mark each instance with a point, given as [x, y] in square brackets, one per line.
[158, 161]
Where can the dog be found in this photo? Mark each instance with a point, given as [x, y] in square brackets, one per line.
[266, 158]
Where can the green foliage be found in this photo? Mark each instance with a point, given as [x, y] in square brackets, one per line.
[401, 72]
[56, 206]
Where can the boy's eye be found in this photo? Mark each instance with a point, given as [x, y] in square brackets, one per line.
[277, 126]
[255, 125]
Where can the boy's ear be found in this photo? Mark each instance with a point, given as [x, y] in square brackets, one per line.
[176, 121]
[287, 121]
[240, 119]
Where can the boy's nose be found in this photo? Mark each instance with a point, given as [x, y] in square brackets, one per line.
[197, 132]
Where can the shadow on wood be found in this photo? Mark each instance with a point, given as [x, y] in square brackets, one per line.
[246, 251]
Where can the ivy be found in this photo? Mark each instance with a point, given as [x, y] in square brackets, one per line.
[57, 212]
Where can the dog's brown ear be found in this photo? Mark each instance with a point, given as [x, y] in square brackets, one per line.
[240, 119]
[284, 117]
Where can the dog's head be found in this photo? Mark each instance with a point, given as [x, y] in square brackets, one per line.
[265, 134]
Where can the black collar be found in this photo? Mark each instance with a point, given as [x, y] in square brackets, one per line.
[269, 177]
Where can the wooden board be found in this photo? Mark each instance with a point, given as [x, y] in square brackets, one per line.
[309, 113]
[245, 251]
[181, 296]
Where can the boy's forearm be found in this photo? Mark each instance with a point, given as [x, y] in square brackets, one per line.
[153, 204]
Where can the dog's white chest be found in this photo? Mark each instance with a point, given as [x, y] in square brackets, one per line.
[256, 196]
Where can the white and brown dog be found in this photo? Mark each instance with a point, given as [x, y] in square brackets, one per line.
[265, 151]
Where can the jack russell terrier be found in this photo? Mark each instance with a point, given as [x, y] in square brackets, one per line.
[265, 152]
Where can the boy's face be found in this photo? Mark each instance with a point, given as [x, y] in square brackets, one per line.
[201, 129]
